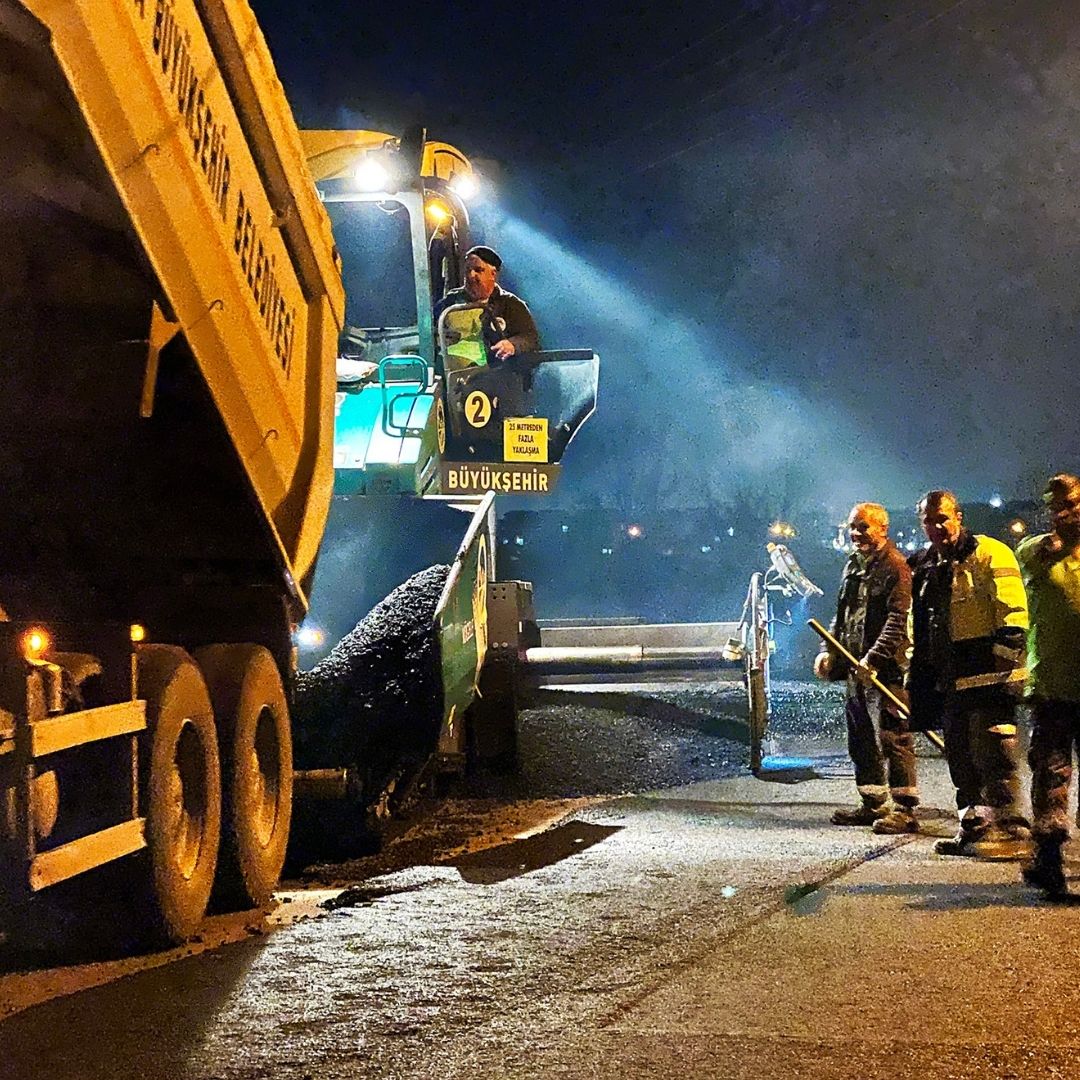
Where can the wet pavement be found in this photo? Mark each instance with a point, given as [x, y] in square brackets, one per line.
[720, 928]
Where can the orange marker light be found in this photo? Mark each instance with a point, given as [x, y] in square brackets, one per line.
[35, 643]
[437, 211]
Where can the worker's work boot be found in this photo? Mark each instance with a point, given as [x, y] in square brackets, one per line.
[973, 828]
[901, 819]
[858, 815]
[1005, 841]
[1046, 872]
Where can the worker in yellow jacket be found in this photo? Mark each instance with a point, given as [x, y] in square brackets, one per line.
[969, 619]
[1050, 564]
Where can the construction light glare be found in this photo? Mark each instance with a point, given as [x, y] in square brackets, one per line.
[464, 185]
[1018, 527]
[371, 175]
[309, 637]
[138, 632]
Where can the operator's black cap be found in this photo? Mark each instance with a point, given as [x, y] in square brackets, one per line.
[486, 254]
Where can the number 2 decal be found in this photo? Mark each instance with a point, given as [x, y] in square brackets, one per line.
[478, 409]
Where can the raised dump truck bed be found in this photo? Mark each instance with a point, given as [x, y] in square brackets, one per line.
[171, 308]
[150, 162]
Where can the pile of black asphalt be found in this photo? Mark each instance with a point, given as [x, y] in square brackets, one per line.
[373, 705]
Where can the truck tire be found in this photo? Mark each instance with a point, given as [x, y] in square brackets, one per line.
[180, 791]
[257, 770]
[491, 720]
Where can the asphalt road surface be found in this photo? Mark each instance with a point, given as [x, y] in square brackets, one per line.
[502, 934]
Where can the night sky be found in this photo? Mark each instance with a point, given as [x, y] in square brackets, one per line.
[825, 249]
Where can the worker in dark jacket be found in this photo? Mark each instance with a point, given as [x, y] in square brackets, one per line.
[505, 326]
[1050, 565]
[969, 618]
[871, 623]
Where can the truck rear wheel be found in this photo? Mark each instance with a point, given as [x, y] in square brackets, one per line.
[256, 761]
[180, 791]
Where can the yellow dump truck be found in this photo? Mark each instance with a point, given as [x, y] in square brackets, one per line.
[172, 306]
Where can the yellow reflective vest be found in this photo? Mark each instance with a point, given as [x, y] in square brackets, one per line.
[969, 617]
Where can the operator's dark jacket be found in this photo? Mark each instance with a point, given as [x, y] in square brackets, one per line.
[872, 613]
[505, 316]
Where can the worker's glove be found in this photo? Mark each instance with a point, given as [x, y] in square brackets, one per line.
[823, 664]
[865, 673]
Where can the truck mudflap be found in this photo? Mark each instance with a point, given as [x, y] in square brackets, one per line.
[461, 623]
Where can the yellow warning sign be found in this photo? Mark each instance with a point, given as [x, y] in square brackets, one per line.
[525, 438]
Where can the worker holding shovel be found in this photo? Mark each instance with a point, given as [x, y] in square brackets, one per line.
[870, 629]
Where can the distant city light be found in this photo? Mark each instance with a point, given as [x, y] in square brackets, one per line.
[731, 530]
[606, 550]
[706, 548]
[633, 531]
[995, 501]
[910, 545]
[1018, 527]
[519, 541]
[565, 528]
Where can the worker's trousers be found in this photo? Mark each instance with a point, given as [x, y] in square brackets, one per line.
[1055, 730]
[881, 747]
[982, 751]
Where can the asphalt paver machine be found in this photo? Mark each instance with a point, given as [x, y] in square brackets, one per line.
[424, 431]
